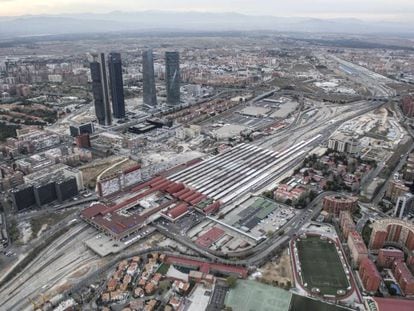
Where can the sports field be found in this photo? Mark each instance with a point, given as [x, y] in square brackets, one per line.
[321, 265]
[250, 295]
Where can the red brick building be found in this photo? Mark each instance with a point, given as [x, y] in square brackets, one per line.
[357, 248]
[334, 204]
[392, 230]
[386, 257]
[370, 277]
[83, 141]
[404, 277]
[408, 106]
[346, 223]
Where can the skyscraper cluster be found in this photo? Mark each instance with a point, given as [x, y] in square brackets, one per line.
[172, 78]
[109, 87]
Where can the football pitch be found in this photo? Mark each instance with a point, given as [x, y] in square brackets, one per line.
[321, 265]
[250, 295]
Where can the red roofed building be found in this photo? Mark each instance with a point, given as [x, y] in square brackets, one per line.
[286, 192]
[176, 212]
[211, 236]
[357, 247]
[386, 257]
[370, 277]
[390, 304]
[404, 277]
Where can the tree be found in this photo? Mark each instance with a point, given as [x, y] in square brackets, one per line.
[231, 281]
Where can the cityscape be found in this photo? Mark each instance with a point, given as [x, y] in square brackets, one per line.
[190, 158]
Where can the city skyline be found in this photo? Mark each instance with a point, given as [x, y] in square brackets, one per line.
[399, 10]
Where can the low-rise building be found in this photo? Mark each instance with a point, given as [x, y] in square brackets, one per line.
[386, 257]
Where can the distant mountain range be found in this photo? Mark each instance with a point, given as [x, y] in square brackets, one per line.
[34, 25]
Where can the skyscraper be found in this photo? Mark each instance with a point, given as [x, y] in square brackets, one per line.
[172, 77]
[100, 89]
[117, 85]
[150, 96]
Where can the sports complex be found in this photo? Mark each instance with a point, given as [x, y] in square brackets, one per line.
[320, 268]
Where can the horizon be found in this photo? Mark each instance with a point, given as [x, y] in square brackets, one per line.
[369, 10]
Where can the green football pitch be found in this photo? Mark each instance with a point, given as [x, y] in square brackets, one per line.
[321, 265]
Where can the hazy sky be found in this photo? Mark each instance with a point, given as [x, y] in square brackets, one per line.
[402, 10]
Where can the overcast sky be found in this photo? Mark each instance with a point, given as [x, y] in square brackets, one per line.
[397, 10]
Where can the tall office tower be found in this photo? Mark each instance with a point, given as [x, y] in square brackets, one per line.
[100, 89]
[172, 77]
[117, 85]
[150, 96]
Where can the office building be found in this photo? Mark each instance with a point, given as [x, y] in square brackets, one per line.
[100, 89]
[45, 193]
[23, 197]
[149, 91]
[86, 128]
[343, 143]
[172, 77]
[404, 205]
[117, 85]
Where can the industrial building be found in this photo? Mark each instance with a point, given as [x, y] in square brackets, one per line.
[244, 168]
[200, 185]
